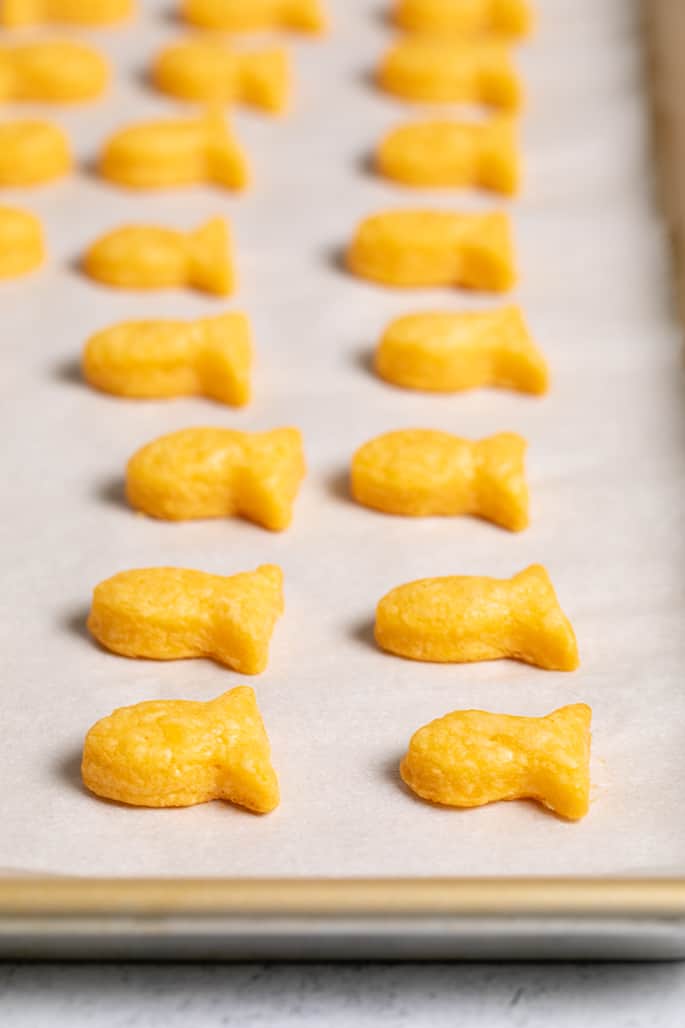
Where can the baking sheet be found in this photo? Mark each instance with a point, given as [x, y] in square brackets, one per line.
[606, 465]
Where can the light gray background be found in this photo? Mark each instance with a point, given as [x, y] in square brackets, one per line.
[344, 996]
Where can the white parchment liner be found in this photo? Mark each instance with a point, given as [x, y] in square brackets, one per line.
[607, 450]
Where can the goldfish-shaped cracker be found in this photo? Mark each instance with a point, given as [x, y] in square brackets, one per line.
[447, 352]
[174, 614]
[219, 473]
[56, 71]
[32, 152]
[150, 257]
[158, 359]
[175, 152]
[256, 15]
[423, 248]
[22, 248]
[176, 753]
[212, 71]
[451, 154]
[471, 757]
[508, 18]
[419, 472]
[443, 70]
[463, 619]
[92, 13]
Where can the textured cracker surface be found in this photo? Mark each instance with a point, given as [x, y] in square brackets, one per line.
[21, 13]
[52, 71]
[32, 152]
[452, 154]
[176, 613]
[209, 357]
[219, 472]
[509, 18]
[171, 152]
[436, 69]
[213, 71]
[239, 16]
[446, 351]
[22, 248]
[152, 257]
[176, 753]
[471, 757]
[422, 248]
[461, 619]
[423, 472]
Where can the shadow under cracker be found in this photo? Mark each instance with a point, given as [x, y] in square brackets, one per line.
[68, 771]
[368, 78]
[91, 167]
[74, 622]
[390, 772]
[338, 486]
[363, 632]
[366, 165]
[112, 491]
[68, 371]
[365, 361]
[172, 16]
[143, 77]
[335, 258]
[384, 18]
[75, 266]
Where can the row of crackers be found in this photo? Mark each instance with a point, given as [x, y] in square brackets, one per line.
[167, 613]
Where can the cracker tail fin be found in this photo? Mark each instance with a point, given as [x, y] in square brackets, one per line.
[224, 362]
[563, 764]
[210, 258]
[488, 255]
[517, 361]
[245, 774]
[245, 616]
[265, 80]
[272, 477]
[305, 15]
[545, 636]
[501, 480]
[513, 18]
[226, 162]
[499, 83]
[499, 164]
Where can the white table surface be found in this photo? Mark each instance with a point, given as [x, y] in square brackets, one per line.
[349, 995]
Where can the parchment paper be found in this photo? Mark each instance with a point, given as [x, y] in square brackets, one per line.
[607, 449]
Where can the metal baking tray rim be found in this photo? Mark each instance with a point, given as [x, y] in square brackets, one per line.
[554, 918]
